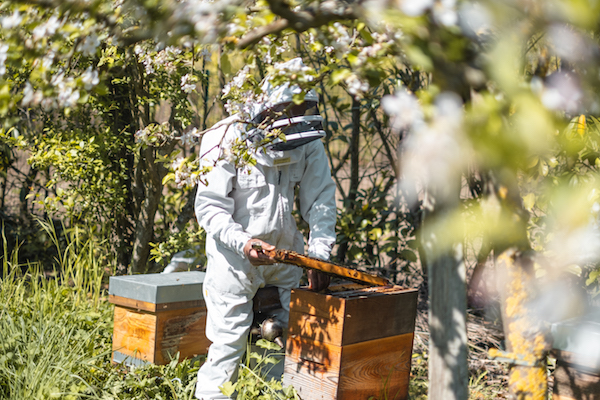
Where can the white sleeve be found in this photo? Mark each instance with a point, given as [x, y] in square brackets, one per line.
[317, 201]
[214, 208]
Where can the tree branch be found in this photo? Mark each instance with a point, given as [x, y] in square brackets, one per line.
[300, 21]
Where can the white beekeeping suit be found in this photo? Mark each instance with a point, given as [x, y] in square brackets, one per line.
[255, 202]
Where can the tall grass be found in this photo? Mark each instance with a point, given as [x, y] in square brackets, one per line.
[52, 330]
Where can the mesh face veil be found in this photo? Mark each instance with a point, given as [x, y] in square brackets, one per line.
[300, 123]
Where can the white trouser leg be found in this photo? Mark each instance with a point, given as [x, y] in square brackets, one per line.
[227, 325]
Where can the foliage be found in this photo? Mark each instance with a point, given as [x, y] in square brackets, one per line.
[53, 329]
[253, 381]
[189, 240]
[78, 96]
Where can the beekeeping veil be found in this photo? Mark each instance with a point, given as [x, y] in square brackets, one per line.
[300, 123]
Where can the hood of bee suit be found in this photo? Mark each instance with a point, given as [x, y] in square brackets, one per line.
[300, 123]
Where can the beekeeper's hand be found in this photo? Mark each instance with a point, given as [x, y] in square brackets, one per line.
[317, 280]
[254, 254]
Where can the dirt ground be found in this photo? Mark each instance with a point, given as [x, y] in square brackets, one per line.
[488, 378]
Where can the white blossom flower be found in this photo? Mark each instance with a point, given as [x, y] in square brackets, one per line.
[187, 83]
[206, 54]
[142, 135]
[183, 173]
[90, 78]
[48, 59]
[562, 92]
[67, 97]
[342, 39]
[567, 43]
[12, 21]
[444, 12]
[148, 65]
[238, 80]
[474, 19]
[403, 108]
[436, 153]
[356, 86]
[90, 44]
[415, 8]
[3, 57]
[31, 97]
[202, 14]
[48, 28]
[177, 163]
[190, 137]
[57, 79]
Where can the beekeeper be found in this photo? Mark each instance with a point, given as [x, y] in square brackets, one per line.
[245, 208]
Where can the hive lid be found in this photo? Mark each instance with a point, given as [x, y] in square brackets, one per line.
[159, 288]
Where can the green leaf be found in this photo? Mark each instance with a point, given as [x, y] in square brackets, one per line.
[419, 58]
[375, 233]
[225, 64]
[339, 75]
[529, 201]
[227, 389]
[168, 177]
[593, 277]
[408, 255]
[413, 244]
[298, 98]
[270, 360]
[265, 344]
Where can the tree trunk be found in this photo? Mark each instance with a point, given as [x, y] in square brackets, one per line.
[526, 341]
[144, 226]
[447, 364]
[448, 369]
[350, 202]
[187, 211]
[24, 214]
[144, 231]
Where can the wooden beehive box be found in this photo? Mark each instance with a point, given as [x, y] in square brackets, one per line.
[576, 346]
[351, 344]
[158, 315]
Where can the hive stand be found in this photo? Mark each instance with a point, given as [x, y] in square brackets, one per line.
[351, 343]
[158, 315]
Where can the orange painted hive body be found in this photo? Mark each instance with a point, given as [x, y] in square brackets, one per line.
[351, 343]
[157, 316]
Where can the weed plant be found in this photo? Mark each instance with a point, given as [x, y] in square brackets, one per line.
[253, 381]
